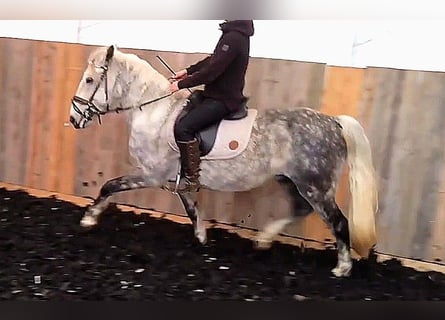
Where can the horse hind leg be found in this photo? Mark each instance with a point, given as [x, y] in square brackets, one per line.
[339, 227]
[110, 187]
[324, 203]
[191, 208]
[264, 239]
[334, 218]
[300, 207]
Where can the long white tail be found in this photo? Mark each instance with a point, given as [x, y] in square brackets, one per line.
[363, 204]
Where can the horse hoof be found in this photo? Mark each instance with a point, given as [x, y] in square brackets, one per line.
[201, 236]
[88, 222]
[344, 271]
[262, 244]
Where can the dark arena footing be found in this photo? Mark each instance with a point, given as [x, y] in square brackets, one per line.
[47, 256]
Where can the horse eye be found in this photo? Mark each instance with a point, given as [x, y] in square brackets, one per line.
[89, 80]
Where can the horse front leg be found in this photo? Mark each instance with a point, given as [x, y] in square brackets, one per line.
[190, 203]
[123, 183]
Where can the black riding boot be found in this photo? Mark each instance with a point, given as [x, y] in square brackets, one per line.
[190, 161]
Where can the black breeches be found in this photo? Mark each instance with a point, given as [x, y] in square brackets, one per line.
[205, 114]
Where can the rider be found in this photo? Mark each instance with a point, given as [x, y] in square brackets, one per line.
[223, 76]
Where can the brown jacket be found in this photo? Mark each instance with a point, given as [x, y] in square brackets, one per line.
[223, 73]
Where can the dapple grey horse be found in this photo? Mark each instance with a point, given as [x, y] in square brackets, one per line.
[299, 146]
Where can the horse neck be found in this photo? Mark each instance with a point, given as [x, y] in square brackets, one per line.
[144, 85]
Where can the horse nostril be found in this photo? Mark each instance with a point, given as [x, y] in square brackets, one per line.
[73, 122]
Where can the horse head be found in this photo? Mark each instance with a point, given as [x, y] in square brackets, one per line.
[92, 98]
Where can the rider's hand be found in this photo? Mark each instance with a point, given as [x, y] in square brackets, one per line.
[174, 87]
[180, 75]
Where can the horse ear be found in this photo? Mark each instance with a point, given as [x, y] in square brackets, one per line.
[110, 53]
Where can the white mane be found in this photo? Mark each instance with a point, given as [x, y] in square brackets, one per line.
[133, 81]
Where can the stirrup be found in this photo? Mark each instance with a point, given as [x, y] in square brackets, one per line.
[182, 186]
[175, 189]
[185, 185]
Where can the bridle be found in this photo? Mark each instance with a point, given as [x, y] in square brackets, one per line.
[92, 110]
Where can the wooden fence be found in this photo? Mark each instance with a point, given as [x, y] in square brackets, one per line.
[403, 113]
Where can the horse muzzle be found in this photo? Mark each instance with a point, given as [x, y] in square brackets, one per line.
[74, 123]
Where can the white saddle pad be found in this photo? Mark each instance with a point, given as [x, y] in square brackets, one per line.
[231, 140]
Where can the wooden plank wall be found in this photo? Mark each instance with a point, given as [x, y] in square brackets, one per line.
[403, 113]
[407, 130]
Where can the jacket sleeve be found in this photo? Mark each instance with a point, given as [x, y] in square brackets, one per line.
[197, 66]
[224, 54]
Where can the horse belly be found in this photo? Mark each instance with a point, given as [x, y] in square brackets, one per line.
[232, 183]
[238, 174]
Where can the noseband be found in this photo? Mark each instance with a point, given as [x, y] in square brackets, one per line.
[92, 109]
